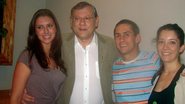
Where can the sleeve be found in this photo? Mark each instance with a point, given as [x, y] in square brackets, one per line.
[24, 58]
[180, 91]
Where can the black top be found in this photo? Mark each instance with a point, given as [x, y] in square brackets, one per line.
[166, 96]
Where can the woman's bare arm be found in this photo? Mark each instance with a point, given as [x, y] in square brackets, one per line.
[21, 74]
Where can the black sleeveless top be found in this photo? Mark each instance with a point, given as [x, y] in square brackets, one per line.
[166, 96]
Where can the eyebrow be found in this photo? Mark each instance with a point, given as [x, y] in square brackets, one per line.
[168, 39]
[123, 32]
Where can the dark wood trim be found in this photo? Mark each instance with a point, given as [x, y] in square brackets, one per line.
[4, 96]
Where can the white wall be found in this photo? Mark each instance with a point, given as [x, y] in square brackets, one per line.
[148, 14]
[24, 13]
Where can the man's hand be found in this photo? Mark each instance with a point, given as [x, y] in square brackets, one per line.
[26, 98]
[183, 73]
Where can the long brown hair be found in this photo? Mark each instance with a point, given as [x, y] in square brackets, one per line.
[34, 45]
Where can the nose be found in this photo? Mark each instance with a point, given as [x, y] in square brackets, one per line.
[165, 46]
[122, 37]
[82, 21]
[46, 30]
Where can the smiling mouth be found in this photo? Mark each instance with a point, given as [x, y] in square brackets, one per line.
[165, 53]
[83, 29]
[46, 36]
[122, 45]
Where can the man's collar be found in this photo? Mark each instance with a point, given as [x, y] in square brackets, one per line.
[94, 40]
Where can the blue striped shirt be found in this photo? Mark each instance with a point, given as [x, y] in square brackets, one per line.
[132, 81]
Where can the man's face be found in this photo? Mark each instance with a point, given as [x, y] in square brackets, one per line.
[126, 40]
[84, 23]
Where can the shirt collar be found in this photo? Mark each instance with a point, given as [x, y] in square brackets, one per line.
[131, 61]
[94, 40]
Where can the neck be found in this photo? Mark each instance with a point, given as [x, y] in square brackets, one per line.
[131, 55]
[85, 41]
[46, 49]
[171, 67]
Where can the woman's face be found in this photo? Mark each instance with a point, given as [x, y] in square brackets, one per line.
[168, 46]
[45, 29]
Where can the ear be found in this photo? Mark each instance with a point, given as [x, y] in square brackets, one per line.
[182, 48]
[138, 38]
[97, 22]
[71, 22]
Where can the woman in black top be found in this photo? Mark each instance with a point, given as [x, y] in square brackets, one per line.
[170, 44]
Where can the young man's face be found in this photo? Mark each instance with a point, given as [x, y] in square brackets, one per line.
[126, 40]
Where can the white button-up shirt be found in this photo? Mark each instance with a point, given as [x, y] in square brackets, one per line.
[87, 87]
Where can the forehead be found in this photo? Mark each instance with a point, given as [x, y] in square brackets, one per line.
[88, 11]
[123, 28]
[42, 19]
[168, 34]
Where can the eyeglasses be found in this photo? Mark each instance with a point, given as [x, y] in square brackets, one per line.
[79, 19]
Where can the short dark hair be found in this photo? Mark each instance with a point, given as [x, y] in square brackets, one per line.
[133, 25]
[173, 27]
[82, 5]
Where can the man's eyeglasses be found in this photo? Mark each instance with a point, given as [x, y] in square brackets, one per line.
[79, 19]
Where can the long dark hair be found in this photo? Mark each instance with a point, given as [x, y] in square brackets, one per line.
[34, 45]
